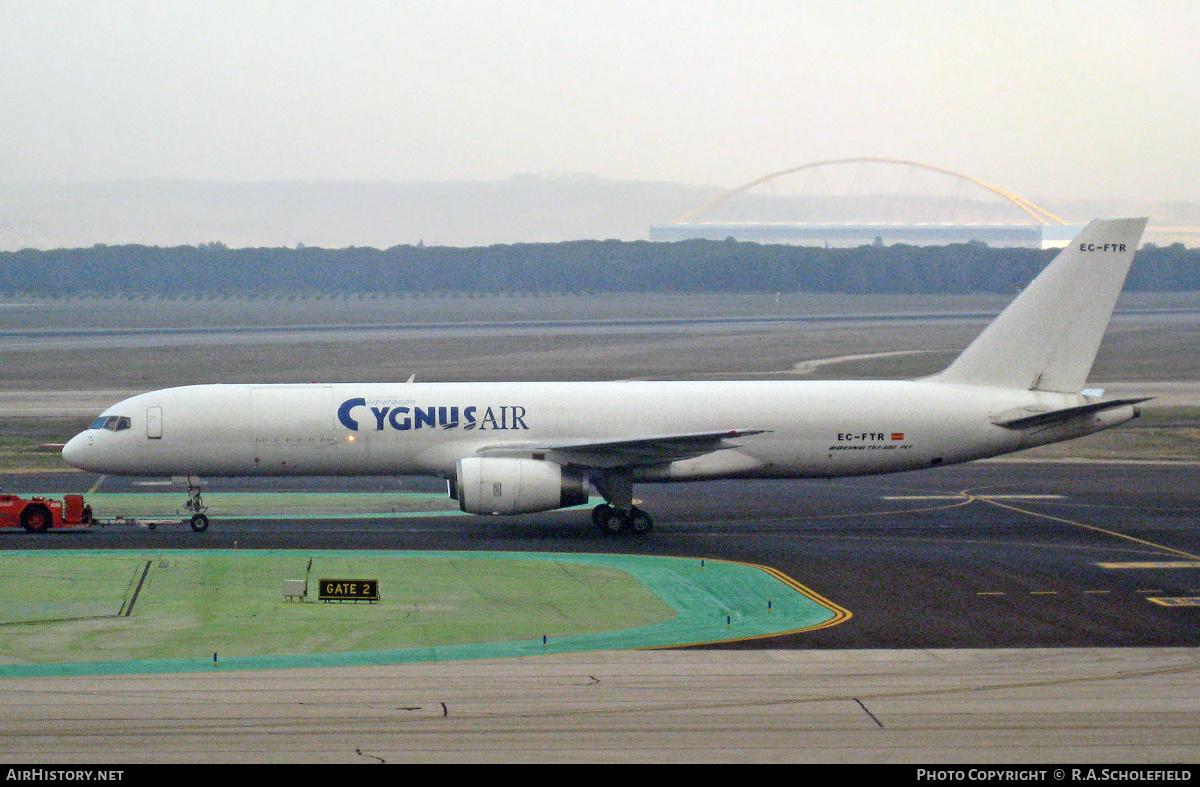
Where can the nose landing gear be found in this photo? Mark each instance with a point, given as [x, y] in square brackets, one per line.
[195, 504]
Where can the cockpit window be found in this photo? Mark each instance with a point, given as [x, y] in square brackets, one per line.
[113, 423]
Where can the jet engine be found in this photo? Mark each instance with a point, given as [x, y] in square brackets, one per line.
[486, 485]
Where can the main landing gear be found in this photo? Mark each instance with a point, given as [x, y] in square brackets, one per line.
[613, 520]
[618, 514]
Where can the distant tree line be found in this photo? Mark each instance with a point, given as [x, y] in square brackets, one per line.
[567, 267]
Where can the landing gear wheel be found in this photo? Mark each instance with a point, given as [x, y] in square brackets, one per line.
[35, 519]
[199, 523]
[639, 522]
[609, 519]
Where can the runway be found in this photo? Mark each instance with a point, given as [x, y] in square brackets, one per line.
[990, 554]
[1003, 612]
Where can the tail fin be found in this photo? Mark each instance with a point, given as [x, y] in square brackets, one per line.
[1046, 340]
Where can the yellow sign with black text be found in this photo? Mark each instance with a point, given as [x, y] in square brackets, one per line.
[348, 590]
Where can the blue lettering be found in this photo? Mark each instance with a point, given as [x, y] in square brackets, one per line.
[424, 415]
[344, 412]
[403, 425]
[509, 416]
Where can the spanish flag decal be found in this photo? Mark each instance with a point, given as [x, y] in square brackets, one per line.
[897, 435]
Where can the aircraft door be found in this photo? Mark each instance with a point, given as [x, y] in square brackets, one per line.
[154, 423]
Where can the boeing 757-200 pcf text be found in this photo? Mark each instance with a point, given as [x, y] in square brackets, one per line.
[520, 447]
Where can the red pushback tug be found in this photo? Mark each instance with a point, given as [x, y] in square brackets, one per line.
[38, 514]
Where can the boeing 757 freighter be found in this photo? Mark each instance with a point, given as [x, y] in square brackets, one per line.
[520, 447]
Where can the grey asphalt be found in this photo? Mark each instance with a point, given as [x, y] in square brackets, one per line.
[1002, 612]
[990, 554]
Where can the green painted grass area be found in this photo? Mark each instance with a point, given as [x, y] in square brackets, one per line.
[66, 611]
[47, 587]
[269, 505]
[194, 603]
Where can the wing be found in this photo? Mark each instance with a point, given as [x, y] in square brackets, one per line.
[630, 452]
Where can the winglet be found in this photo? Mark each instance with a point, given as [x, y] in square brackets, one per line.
[1046, 340]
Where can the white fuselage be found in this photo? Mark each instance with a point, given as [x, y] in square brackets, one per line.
[809, 429]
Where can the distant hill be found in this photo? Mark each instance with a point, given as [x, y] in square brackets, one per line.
[521, 209]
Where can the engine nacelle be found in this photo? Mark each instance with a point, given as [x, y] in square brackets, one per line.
[516, 486]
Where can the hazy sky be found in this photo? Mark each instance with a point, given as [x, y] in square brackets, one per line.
[1048, 99]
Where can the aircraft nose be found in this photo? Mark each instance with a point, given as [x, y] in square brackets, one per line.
[75, 452]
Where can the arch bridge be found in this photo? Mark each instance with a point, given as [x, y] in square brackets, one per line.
[964, 209]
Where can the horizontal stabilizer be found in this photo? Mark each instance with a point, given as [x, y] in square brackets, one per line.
[625, 453]
[1023, 419]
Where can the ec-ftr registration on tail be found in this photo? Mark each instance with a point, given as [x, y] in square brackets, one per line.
[520, 447]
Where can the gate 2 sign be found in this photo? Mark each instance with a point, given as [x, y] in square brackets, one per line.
[348, 590]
